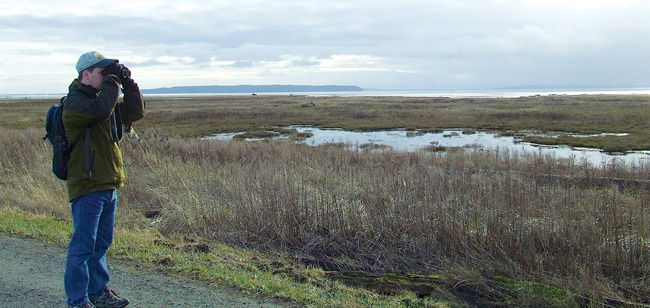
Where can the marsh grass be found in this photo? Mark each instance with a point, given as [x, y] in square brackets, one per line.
[478, 218]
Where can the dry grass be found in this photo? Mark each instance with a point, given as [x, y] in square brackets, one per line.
[414, 212]
[27, 182]
[384, 212]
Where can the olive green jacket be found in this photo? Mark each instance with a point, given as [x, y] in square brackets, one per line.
[86, 107]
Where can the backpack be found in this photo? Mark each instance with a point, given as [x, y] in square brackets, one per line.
[55, 134]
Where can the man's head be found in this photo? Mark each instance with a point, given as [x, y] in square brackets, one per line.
[90, 66]
[92, 58]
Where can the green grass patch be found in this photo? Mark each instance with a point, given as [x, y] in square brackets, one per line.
[544, 295]
[248, 271]
[37, 226]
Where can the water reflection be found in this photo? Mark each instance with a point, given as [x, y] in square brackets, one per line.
[411, 141]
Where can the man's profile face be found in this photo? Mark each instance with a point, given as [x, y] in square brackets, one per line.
[95, 78]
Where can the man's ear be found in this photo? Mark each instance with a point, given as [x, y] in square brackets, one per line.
[85, 74]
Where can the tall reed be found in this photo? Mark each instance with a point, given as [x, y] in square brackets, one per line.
[514, 214]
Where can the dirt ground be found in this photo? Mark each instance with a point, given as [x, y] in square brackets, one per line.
[31, 275]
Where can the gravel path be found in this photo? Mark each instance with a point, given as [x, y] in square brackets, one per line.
[31, 275]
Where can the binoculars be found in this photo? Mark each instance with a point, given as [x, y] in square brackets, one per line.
[116, 68]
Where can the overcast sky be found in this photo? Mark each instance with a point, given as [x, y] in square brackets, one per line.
[388, 44]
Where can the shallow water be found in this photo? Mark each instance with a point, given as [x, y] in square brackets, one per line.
[401, 140]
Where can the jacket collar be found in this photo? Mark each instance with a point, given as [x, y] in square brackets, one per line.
[86, 90]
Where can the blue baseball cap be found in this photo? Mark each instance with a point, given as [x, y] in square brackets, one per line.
[92, 58]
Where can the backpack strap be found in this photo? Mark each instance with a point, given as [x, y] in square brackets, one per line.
[89, 155]
[89, 158]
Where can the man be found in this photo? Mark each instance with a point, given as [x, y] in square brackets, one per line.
[95, 172]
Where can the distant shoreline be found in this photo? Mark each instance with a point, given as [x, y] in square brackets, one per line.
[450, 93]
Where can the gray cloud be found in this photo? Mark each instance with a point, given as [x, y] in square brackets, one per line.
[432, 43]
[242, 64]
[146, 63]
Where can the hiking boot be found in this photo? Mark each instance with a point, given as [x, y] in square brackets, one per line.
[110, 299]
[86, 305]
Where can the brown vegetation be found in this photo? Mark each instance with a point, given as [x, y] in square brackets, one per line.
[477, 217]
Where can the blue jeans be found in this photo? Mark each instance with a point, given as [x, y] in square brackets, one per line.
[86, 272]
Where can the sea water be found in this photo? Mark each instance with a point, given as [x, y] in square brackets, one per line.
[453, 93]
[401, 140]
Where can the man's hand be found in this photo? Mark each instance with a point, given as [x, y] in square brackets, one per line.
[118, 70]
[112, 69]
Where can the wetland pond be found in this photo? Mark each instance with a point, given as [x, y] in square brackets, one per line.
[402, 140]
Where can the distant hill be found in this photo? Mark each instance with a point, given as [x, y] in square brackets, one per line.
[249, 89]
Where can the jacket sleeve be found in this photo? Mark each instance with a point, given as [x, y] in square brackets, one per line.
[132, 109]
[89, 111]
